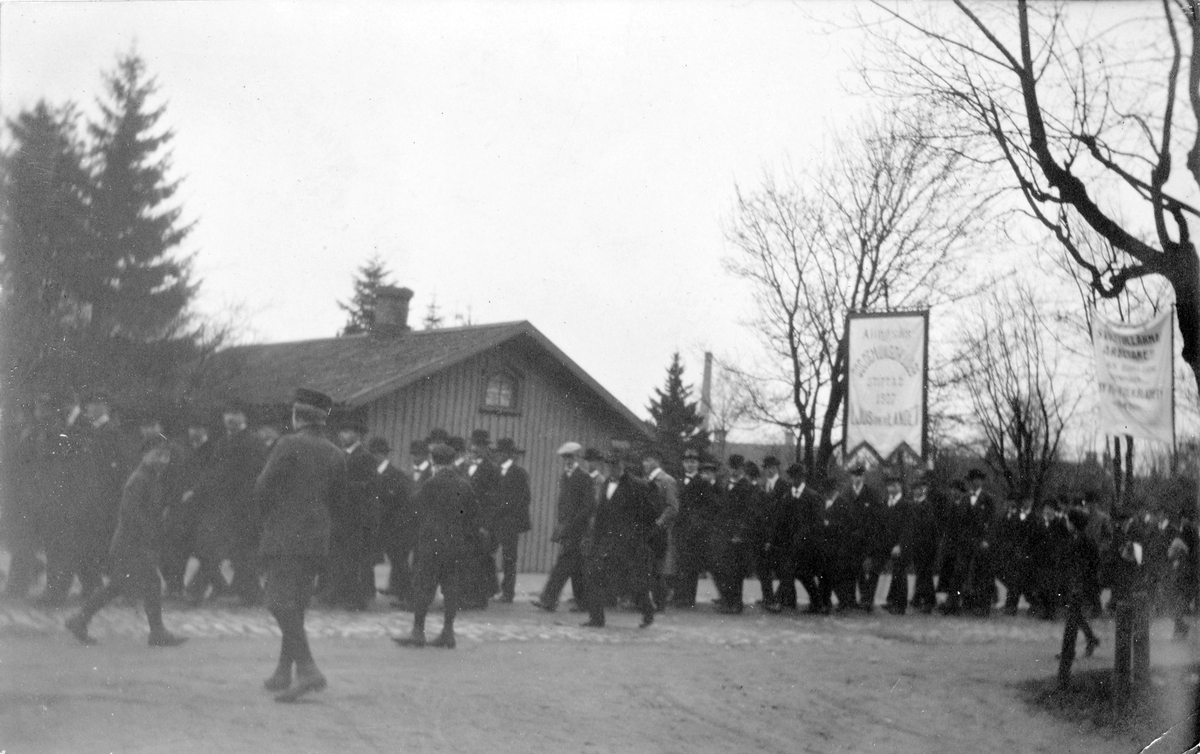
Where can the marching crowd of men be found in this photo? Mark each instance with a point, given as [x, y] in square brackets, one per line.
[626, 529]
[66, 471]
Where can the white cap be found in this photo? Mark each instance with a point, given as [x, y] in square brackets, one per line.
[570, 449]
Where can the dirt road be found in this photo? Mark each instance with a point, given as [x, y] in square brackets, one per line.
[524, 681]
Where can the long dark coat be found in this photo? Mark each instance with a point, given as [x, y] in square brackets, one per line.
[303, 479]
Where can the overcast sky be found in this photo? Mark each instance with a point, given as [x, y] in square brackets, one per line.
[570, 164]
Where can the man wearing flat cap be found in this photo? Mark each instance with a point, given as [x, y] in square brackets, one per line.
[919, 539]
[575, 502]
[511, 517]
[449, 520]
[303, 480]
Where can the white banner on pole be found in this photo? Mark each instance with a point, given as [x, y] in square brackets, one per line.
[885, 386]
[1134, 371]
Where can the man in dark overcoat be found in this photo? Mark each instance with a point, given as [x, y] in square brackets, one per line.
[576, 500]
[228, 526]
[619, 558]
[350, 580]
[482, 472]
[189, 465]
[449, 520]
[303, 480]
[868, 538]
[99, 467]
[969, 543]
[511, 517]
[696, 500]
[796, 538]
[134, 551]
[917, 548]
[398, 520]
[1015, 535]
[731, 535]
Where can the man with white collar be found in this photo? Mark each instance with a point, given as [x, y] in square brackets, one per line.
[918, 546]
[696, 499]
[619, 555]
[868, 538]
[576, 500]
[397, 520]
[795, 542]
[511, 518]
[968, 541]
[731, 536]
[422, 469]
[476, 466]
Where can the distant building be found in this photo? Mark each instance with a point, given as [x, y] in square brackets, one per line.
[507, 378]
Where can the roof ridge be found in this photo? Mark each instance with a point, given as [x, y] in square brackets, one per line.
[367, 335]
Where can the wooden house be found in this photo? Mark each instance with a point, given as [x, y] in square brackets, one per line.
[507, 378]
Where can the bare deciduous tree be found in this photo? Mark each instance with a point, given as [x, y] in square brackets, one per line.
[882, 224]
[1020, 403]
[1088, 121]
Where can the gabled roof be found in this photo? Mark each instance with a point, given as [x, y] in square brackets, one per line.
[357, 369]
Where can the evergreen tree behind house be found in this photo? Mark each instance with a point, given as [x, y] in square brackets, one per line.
[95, 289]
[676, 420]
[372, 275]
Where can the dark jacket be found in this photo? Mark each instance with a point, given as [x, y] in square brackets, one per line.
[623, 524]
[448, 511]
[576, 500]
[512, 501]
[303, 480]
[139, 514]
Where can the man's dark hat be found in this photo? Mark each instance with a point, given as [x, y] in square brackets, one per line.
[691, 453]
[456, 443]
[770, 461]
[857, 469]
[652, 452]
[752, 470]
[353, 424]
[974, 474]
[481, 438]
[506, 446]
[418, 448]
[709, 465]
[305, 396]
[795, 471]
[921, 480]
[591, 454]
[893, 477]
[736, 461]
[379, 446]
[443, 455]
[437, 435]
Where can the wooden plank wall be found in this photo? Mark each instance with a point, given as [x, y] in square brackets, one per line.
[554, 407]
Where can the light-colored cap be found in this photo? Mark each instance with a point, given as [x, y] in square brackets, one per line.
[570, 449]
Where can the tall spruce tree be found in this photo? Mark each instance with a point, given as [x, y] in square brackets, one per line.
[43, 235]
[676, 421]
[132, 275]
[361, 306]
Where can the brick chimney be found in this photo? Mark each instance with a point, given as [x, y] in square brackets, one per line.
[391, 310]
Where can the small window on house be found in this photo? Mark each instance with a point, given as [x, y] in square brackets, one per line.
[501, 392]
